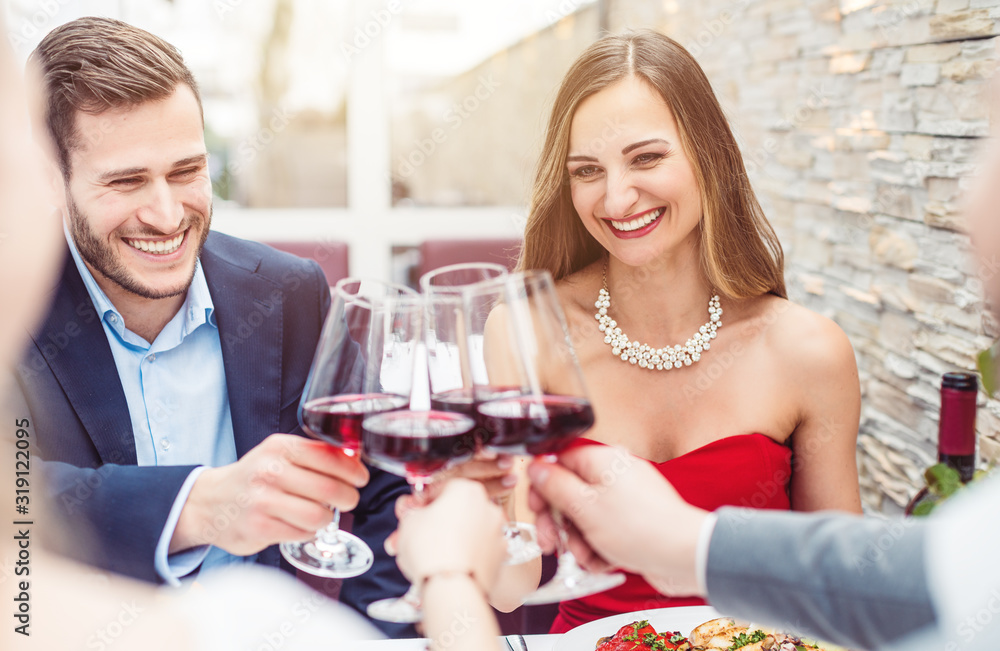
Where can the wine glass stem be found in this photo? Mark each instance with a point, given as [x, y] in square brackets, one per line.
[419, 485]
[562, 541]
[506, 502]
[334, 525]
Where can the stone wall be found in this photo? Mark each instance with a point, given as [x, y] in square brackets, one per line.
[860, 122]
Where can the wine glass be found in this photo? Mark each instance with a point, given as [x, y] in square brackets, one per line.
[419, 442]
[460, 385]
[527, 352]
[359, 368]
[452, 374]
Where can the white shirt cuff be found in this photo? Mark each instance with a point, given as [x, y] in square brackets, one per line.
[701, 553]
[174, 566]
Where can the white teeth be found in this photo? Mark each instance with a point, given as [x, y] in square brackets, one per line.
[638, 222]
[160, 247]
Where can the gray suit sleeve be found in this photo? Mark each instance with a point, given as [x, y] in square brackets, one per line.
[853, 581]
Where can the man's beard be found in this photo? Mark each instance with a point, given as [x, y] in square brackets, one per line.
[102, 257]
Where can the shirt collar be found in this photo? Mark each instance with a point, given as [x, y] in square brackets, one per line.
[197, 309]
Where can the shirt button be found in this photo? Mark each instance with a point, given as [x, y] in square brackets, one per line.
[113, 318]
[165, 444]
[152, 358]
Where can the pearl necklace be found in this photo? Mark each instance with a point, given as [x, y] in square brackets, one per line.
[662, 359]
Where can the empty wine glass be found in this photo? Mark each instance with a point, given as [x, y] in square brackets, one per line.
[359, 368]
[527, 353]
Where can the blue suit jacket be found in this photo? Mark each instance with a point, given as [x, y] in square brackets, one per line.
[269, 307]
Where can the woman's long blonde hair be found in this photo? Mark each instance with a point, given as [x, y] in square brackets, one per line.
[740, 253]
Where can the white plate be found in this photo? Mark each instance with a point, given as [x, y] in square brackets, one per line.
[683, 619]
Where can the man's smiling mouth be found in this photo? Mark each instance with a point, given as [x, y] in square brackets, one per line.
[159, 247]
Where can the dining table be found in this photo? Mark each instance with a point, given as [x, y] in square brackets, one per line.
[531, 643]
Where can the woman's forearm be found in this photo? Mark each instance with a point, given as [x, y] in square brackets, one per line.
[514, 583]
[456, 615]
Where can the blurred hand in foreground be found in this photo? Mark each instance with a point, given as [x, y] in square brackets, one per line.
[460, 532]
[620, 513]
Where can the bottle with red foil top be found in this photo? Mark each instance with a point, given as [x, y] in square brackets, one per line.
[956, 434]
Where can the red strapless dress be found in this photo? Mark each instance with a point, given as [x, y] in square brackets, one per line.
[750, 470]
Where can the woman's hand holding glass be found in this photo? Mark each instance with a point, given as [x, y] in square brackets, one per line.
[424, 440]
[460, 532]
[533, 401]
[461, 383]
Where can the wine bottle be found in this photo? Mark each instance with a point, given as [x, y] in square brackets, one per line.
[956, 442]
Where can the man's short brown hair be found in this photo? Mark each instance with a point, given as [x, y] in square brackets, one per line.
[94, 64]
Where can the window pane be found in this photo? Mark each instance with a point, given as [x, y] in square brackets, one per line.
[470, 85]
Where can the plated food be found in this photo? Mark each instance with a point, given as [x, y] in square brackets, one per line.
[641, 635]
[720, 634]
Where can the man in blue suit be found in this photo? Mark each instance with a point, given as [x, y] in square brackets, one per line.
[171, 355]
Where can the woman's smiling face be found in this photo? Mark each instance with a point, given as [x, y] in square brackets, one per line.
[631, 182]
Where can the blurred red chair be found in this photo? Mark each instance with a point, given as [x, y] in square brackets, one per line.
[331, 256]
[439, 253]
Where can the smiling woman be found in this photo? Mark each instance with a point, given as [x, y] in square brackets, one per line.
[643, 211]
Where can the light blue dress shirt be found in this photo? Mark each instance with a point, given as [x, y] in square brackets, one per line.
[175, 388]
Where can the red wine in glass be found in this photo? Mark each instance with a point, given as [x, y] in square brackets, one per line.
[459, 401]
[536, 425]
[416, 444]
[337, 419]
[466, 400]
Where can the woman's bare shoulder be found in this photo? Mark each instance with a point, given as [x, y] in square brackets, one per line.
[805, 339]
[579, 289]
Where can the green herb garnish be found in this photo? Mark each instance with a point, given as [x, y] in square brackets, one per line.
[652, 641]
[635, 631]
[743, 639]
[677, 637]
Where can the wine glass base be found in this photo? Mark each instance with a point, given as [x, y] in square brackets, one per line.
[573, 586]
[343, 557]
[400, 610]
[521, 543]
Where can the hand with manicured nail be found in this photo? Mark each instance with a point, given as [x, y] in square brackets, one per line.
[495, 472]
[460, 532]
[620, 512]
